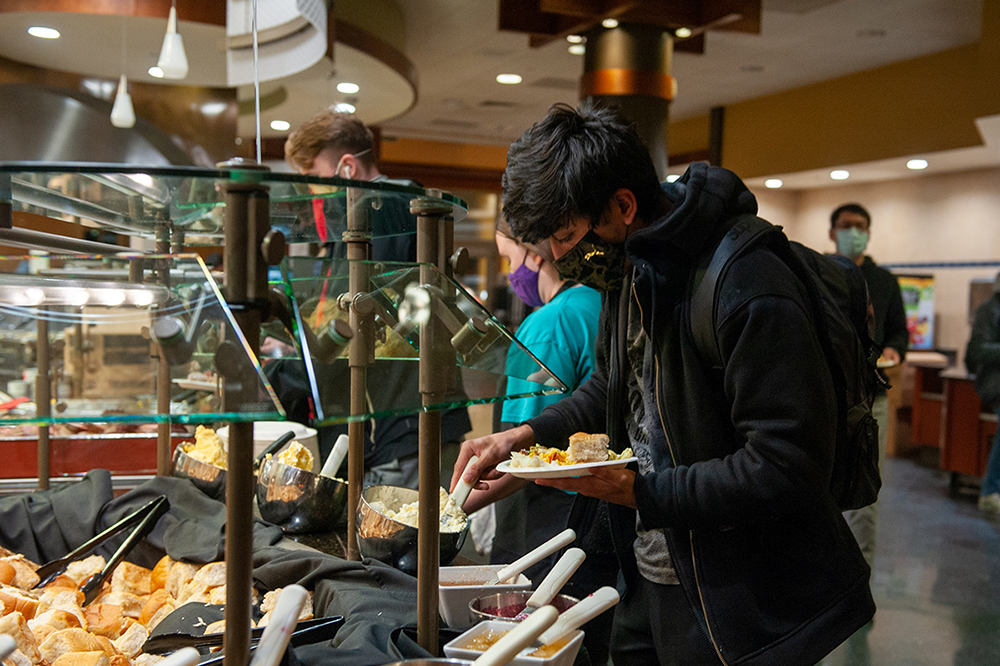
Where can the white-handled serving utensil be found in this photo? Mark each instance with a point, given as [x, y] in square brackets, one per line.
[584, 611]
[279, 628]
[564, 538]
[554, 581]
[518, 638]
[336, 457]
[462, 490]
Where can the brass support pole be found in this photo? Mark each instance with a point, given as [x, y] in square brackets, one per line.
[245, 279]
[162, 365]
[435, 380]
[360, 355]
[43, 397]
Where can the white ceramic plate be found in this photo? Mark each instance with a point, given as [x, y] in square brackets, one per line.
[196, 384]
[561, 472]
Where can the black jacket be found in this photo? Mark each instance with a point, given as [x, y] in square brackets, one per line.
[887, 301]
[741, 482]
[982, 356]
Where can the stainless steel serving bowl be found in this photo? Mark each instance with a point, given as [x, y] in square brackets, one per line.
[209, 479]
[297, 500]
[492, 606]
[392, 542]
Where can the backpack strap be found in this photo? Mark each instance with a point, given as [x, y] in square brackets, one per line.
[742, 232]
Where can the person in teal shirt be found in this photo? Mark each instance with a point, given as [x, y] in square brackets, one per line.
[561, 332]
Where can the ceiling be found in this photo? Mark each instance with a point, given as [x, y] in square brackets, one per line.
[457, 51]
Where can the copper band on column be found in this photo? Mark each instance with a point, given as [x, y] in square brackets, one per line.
[617, 81]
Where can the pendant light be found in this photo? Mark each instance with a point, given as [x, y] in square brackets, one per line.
[122, 112]
[173, 61]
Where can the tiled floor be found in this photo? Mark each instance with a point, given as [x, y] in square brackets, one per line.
[936, 578]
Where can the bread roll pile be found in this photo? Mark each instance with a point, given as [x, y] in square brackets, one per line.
[52, 628]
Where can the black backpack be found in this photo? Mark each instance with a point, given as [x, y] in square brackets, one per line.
[845, 323]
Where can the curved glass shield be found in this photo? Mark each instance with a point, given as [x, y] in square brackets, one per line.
[96, 328]
[410, 309]
[188, 203]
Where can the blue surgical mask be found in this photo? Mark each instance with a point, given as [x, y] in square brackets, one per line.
[851, 242]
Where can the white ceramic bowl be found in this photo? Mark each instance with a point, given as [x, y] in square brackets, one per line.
[453, 599]
[564, 657]
[265, 432]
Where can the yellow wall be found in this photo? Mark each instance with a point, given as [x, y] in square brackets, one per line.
[442, 153]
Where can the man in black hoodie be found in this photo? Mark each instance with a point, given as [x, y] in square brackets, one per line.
[732, 549]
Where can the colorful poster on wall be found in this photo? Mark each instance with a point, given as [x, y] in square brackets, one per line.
[918, 302]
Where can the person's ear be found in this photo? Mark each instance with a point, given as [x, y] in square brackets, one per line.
[625, 205]
[833, 234]
[350, 166]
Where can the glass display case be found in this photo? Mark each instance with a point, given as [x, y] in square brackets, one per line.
[168, 322]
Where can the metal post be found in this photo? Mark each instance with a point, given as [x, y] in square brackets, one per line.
[43, 397]
[162, 365]
[435, 380]
[245, 280]
[360, 355]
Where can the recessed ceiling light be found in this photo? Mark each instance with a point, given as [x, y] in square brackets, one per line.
[280, 125]
[574, 39]
[610, 23]
[348, 88]
[773, 183]
[840, 174]
[509, 79]
[43, 33]
[672, 177]
[916, 164]
[683, 33]
[344, 107]
[577, 49]
[155, 72]
[214, 108]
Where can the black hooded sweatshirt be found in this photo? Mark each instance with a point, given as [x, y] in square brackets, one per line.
[741, 475]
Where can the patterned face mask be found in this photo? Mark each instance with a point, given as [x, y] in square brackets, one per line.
[594, 262]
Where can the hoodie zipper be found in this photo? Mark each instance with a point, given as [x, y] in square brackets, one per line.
[673, 458]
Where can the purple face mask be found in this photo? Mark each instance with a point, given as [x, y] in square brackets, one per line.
[524, 281]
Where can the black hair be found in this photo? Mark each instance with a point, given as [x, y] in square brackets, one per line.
[569, 164]
[855, 208]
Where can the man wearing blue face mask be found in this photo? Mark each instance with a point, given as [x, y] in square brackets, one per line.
[850, 226]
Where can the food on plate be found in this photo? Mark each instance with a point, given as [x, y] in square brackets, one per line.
[207, 447]
[583, 448]
[587, 448]
[296, 455]
[453, 519]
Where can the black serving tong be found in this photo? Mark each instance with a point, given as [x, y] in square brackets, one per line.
[143, 521]
[273, 447]
[306, 633]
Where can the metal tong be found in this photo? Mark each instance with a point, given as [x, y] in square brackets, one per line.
[306, 632]
[143, 521]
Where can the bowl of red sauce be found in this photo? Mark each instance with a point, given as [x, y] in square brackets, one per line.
[507, 605]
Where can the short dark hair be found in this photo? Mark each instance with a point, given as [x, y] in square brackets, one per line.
[327, 129]
[855, 208]
[569, 164]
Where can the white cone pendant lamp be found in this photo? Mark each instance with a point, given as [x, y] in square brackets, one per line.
[173, 61]
[122, 113]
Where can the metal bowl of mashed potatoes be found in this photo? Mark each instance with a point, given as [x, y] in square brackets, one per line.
[297, 500]
[209, 479]
[391, 541]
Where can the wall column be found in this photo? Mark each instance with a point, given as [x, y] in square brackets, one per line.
[629, 66]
